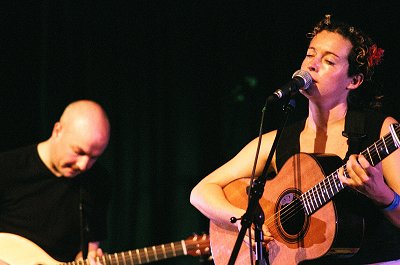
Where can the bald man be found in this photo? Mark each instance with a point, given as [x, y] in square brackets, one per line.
[78, 139]
[51, 190]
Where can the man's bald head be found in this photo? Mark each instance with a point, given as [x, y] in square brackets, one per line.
[77, 140]
[86, 115]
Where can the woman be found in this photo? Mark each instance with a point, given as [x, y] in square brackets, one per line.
[340, 58]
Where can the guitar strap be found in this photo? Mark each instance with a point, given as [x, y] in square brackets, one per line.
[83, 223]
[354, 131]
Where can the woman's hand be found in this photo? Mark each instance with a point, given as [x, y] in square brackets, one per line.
[267, 236]
[363, 177]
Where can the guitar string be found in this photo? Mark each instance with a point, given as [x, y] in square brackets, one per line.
[297, 205]
[142, 258]
[290, 209]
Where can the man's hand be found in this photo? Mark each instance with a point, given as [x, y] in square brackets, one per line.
[94, 254]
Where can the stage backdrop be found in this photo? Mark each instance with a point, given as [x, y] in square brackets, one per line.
[184, 83]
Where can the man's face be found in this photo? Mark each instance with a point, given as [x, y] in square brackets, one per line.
[76, 149]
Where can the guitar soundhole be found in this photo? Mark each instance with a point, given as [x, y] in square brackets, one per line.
[291, 221]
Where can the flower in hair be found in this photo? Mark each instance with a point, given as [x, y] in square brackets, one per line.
[375, 55]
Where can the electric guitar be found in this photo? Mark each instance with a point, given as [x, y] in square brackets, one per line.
[303, 208]
[17, 250]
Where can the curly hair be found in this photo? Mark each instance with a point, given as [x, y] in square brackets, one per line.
[364, 55]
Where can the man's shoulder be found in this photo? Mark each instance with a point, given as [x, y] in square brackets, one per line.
[18, 150]
[16, 164]
[17, 154]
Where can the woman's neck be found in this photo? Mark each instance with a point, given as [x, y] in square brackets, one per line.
[320, 118]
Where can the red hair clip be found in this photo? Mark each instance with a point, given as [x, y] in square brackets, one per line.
[375, 55]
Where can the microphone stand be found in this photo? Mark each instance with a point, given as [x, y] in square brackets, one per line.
[254, 213]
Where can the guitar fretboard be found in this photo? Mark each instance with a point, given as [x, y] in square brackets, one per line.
[146, 255]
[324, 191]
[140, 256]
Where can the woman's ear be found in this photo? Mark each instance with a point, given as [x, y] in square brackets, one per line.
[356, 81]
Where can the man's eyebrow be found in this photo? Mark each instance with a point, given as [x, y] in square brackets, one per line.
[79, 150]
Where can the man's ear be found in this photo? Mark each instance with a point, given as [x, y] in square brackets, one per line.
[356, 81]
[57, 129]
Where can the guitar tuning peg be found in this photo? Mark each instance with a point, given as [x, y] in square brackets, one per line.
[202, 235]
[206, 259]
[194, 237]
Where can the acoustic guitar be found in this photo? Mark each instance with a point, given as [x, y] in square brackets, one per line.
[303, 208]
[17, 250]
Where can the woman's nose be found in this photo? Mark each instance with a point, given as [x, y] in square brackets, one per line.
[313, 65]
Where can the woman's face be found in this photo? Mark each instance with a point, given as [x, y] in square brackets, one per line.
[327, 62]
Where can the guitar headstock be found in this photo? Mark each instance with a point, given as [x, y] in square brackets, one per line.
[198, 245]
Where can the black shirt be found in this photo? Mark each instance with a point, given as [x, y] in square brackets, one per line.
[43, 208]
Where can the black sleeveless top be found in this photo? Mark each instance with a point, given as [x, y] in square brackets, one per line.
[381, 239]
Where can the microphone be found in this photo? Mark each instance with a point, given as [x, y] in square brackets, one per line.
[300, 80]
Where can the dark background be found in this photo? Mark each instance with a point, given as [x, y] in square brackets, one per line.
[184, 83]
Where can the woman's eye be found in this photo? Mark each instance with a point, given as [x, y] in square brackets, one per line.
[329, 62]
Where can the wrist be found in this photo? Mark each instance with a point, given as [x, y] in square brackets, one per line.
[393, 205]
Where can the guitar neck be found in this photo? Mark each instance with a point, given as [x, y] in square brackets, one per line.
[17, 250]
[382, 148]
[140, 256]
[146, 255]
[324, 191]
[196, 245]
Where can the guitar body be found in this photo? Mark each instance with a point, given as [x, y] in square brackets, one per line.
[16, 250]
[223, 238]
[298, 237]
